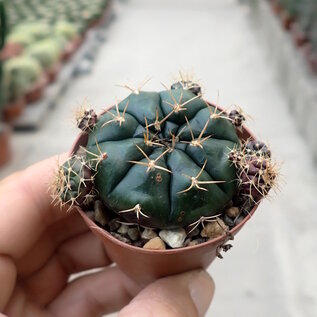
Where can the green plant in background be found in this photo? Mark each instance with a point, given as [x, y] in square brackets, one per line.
[305, 12]
[2, 42]
[77, 11]
[46, 52]
[20, 73]
[12, 88]
[66, 29]
[291, 6]
[165, 160]
[20, 37]
[38, 30]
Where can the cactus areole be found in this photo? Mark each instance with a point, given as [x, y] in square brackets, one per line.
[157, 159]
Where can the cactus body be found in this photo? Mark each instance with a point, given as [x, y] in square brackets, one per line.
[19, 74]
[46, 52]
[167, 159]
[66, 29]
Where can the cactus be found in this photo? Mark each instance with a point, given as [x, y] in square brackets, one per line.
[26, 68]
[23, 38]
[66, 29]
[163, 159]
[256, 172]
[46, 52]
[19, 74]
[38, 30]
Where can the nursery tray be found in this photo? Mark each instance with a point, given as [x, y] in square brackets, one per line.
[35, 113]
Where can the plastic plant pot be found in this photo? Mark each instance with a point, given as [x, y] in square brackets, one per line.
[5, 136]
[13, 109]
[11, 50]
[145, 265]
[171, 163]
[53, 72]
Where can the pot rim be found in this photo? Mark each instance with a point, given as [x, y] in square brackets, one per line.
[82, 140]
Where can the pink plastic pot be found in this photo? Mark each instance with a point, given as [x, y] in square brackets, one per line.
[145, 265]
[5, 136]
[13, 109]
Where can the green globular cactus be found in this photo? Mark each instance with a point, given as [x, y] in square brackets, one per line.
[74, 181]
[20, 37]
[38, 30]
[46, 52]
[167, 159]
[163, 159]
[25, 68]
[66, 29]
[20, 73]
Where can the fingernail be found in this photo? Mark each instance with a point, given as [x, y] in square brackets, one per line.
[201, 289]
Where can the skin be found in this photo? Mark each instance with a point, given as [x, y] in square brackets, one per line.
[42, 245]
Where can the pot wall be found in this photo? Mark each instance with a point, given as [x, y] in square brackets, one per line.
[145, 265]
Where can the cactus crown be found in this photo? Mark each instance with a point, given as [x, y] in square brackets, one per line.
[164, 159]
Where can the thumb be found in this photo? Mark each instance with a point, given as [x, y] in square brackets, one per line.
[187, 294]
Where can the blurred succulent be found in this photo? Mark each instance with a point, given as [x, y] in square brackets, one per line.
[38, 30]
[19, 75]
[66, 29]
[46, 52]
[20, 37]
[164, 159]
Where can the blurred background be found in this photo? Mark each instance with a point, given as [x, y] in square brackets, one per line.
[58, 56]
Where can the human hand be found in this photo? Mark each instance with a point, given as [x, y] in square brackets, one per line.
[42, 245]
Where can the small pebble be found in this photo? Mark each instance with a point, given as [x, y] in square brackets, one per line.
[214, 229]
[228, 221]
[239, 220]
[193, 233]
[196, 242]
[120, 237]
[101, 214]
[134, 234]
[148, 234]
[174, 238]
[114, 224]
[187, 242]
[123, 229]
[232, 212]
[139, 243]
[155, 244]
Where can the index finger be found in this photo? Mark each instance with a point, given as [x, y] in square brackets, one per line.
[26, 208]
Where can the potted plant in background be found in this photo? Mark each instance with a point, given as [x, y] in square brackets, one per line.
[13, 95]
[69, 32]
[31, 75]
[165, 179]
[48, 53]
